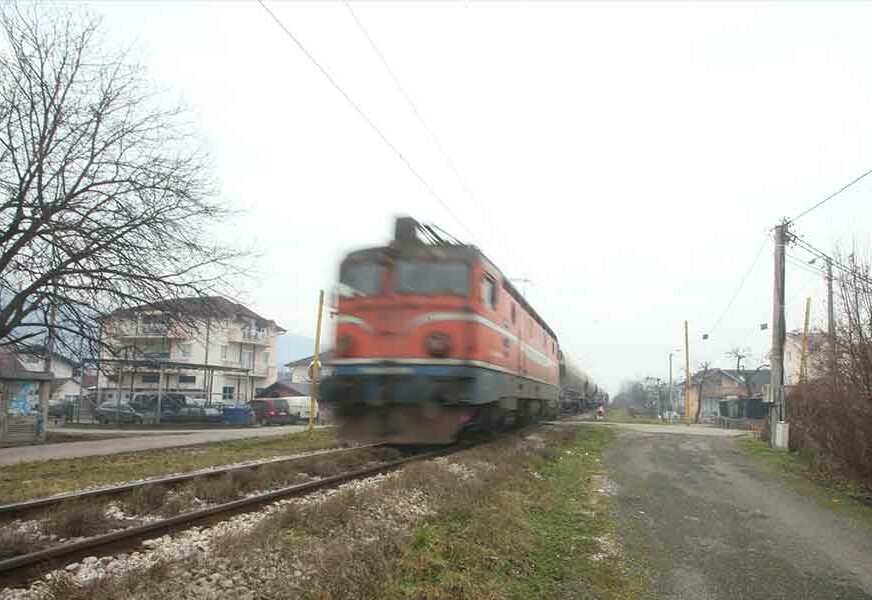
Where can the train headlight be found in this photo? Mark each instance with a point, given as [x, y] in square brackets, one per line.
[438, 344]
[344, 345]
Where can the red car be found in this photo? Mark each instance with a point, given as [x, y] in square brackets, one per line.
[269, 411]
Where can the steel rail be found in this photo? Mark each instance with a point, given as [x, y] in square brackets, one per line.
[19, 563]
[24, 506]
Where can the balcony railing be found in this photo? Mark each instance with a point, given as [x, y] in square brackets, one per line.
[147, 330]
[248, 336]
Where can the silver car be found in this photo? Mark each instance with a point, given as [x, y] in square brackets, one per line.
[117, 412]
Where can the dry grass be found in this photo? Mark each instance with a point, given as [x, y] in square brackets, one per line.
[355, 570]
[495, 532]
[178, 502]
[78, 519]
[139, 584]
[145, 500]
[14, 542]
[33, 480]
[216, 489]
[320, 518]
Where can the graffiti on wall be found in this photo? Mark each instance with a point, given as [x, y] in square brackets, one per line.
[22, 395]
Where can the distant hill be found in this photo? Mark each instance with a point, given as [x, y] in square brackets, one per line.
[292, 346]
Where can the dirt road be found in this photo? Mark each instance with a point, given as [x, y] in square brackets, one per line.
[711, 525]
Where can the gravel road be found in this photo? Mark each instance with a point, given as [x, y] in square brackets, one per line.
[712, 526]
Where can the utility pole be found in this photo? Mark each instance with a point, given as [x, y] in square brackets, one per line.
[776, 380]
[686, 375]
[831, 322]
[316, 363]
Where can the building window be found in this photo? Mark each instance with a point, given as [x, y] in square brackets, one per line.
[223, 352]
[227, 392]
[185, 350]
[266, 359]
[151, 378]
[513, 313]
[187, 379]
[247, 359]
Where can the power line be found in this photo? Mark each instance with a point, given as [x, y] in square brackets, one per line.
[741, 284]
[368, 120]
[830, 197]
[804, 245]
[430, 132]
[802, 265]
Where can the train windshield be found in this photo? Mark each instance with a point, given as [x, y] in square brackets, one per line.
[420, 277]
[363, 278]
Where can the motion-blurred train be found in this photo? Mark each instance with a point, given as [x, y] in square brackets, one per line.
[433, 342]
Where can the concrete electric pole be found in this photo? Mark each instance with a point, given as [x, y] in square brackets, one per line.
[776, 380]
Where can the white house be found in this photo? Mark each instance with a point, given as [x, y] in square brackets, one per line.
[793, 355]
[298, 370]
[224, 351]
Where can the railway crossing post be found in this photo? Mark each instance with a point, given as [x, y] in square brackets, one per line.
[686, 375]
[316, 363]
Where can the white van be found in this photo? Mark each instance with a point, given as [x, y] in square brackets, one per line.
[300, 405]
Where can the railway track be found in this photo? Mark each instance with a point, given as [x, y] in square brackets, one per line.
[17, 509]
[21, 569]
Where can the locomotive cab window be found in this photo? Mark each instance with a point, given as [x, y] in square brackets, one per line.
[488, 292]
[363, 278]
[423, 277]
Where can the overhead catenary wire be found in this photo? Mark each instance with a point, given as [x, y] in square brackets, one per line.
[437, 143]
[830, 197]
[430, 189]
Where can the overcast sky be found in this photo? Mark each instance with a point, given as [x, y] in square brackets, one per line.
[629, 159]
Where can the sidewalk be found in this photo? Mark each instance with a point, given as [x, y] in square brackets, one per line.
[144, 441]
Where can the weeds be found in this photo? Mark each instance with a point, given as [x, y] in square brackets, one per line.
[178, 502]
[32, 480]
[78, 519]
[215, 489]
[141, 584]
[14, 542]
[145, 500]
[320, 518]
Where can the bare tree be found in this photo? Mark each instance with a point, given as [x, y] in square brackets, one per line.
[106, 203]
[854, 328]
[747, 375]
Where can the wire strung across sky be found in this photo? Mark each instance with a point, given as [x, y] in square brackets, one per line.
[437, 143]
[830, 197]
[430, 189]
[816, 252]
[741, 284]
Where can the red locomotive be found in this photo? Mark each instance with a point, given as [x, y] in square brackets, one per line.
[432, 340]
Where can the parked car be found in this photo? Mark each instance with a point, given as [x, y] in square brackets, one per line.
[300, 407]
[268, 411]
[57, 408]
[176, 408]
[112, 411]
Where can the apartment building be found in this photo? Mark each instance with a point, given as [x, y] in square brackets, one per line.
[816, 345]
[222, 351]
